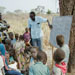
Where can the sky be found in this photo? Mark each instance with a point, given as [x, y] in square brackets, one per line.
[27, 5]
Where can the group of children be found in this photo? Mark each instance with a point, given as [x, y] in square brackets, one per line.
[61, 57]
[18, 57]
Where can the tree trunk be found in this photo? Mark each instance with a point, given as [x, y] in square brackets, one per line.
[67, 7]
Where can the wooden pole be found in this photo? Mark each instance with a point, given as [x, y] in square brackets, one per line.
[52, 56]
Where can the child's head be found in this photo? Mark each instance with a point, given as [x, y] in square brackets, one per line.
[21, 38]
[60, 40]
[11, 36]
[59, 55]
[41, 56]
[26, 30]
[12, 52]
[16, 36]
[34, 52]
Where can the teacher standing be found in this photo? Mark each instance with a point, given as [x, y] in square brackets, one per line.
[34, 24]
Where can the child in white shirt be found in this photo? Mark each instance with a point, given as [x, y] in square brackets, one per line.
[63, 46]
[60, 67]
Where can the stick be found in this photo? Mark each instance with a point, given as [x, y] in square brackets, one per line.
[52, 56]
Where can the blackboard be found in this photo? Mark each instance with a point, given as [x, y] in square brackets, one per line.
[61, 26]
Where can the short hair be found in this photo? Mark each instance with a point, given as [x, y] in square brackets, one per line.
[41, 56]
[26, 28]
[59, 55]
[60, 40]
[12, 50]
[32, 12]
[16, 34]
[21, 37]
[10, 34]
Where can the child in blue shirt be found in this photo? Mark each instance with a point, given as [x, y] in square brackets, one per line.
[34, 52]
[39, 68]
[2, 48]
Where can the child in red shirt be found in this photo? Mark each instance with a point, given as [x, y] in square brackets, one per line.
[27, 36]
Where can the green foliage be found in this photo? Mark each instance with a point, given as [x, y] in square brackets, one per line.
[48, 12]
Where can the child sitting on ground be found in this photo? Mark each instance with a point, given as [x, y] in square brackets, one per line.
[21, 55]
[11, 36]
[34, 52]
[8, 45]
[8, 70]
[39, 68]
[21, 41]
[26, 36]
[10, 60]
[21, 59]
[19, 44]
[12, 55]
[16, 37]
[63, 46]
[27, 55]
[60, 67]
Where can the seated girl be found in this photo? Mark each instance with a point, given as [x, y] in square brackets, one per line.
[8, 70]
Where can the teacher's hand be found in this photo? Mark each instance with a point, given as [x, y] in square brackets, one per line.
[50, 26]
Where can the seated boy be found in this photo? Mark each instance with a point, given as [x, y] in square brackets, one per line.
[8, 71]
[16, 37]
[63, 46]
[39, 68]
[34, 52]
[11, 36]
[60, 66]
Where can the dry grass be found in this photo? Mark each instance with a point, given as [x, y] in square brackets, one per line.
[19, 22]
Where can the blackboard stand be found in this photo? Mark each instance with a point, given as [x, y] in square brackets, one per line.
[52, 47]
